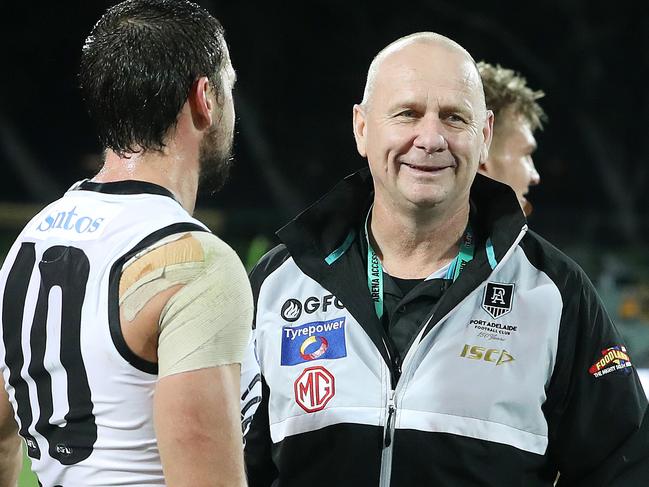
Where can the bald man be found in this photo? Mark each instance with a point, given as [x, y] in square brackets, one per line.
[411, 331]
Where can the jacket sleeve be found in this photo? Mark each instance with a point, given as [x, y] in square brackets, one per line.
[260, 468]
[596, 408]
[250, 386]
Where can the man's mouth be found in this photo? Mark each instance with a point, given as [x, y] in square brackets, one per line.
[427, 168]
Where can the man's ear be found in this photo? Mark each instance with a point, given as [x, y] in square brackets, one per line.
[483, 167]
[487, 134]
[360, 128]
[201, 103]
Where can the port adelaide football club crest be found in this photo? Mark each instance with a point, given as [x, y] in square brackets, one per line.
[497, 299]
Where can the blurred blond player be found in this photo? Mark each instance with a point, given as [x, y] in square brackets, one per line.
[517, 115]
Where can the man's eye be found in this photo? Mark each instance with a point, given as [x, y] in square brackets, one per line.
[454, 117]
[407, 114]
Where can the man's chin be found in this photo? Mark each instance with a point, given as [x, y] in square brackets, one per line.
[421, 202]
[526, 206]
[214, 173]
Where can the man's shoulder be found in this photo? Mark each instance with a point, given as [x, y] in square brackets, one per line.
[546, 257]
[271, 260]
[268, 264]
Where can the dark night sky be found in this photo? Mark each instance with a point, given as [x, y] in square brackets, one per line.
[302, 66]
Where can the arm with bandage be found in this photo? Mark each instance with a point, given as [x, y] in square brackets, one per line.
[186, 303]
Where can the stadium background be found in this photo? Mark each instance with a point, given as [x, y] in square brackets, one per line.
[300, 68]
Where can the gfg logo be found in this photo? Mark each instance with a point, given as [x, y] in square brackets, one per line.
[292, 308]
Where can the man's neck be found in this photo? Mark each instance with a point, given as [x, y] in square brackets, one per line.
[414, 245]
[176, 173]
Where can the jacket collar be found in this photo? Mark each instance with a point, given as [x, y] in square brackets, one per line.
[324, 226]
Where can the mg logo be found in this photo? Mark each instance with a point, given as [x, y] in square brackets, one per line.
[314, 388]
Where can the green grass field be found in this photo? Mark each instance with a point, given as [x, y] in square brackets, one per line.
[27, 478]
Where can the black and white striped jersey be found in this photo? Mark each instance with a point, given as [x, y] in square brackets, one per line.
[82, 399]
[515, 375]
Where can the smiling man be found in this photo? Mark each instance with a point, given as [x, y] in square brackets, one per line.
[411, 331]
[517, 117]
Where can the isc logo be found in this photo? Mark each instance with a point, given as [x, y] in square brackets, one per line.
[493, 355]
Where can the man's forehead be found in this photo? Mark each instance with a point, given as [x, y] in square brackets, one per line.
[430, 54]
[227, 69]
[458, 78]
[228, 74]
[516, 129]
[231, 74]
[412, 75]
[511, 119]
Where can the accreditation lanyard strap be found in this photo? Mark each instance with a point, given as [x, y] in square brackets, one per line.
[375, 269]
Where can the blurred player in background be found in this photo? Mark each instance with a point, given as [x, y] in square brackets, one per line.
[516, 116]
[124, 319]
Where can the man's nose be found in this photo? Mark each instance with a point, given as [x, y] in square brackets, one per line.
[430, 135]
[535, 177]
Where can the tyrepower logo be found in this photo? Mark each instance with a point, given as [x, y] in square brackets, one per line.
[493, 355]
[314, 388]
[312, 341]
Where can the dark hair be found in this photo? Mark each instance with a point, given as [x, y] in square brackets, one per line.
[138, 65]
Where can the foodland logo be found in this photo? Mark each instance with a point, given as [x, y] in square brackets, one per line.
[614, 359]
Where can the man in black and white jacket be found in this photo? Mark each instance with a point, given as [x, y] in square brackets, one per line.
[410, 330]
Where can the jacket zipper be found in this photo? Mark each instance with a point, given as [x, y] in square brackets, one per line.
[395, 365]
[388, 434]
[389, 424]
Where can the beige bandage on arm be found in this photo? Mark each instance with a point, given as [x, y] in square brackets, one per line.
[174, 260]
[208, 321]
